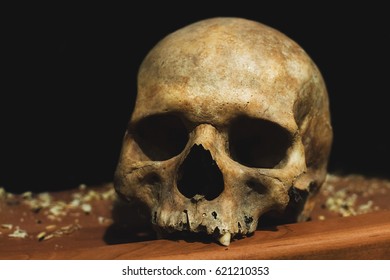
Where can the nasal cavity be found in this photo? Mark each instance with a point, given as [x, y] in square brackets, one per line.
[199, 175]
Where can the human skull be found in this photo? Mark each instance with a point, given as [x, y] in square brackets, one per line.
[231, 123]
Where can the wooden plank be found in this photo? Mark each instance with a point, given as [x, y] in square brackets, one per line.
[361, 237]
[111, 231]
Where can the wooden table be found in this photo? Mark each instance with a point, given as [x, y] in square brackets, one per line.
[351, 220]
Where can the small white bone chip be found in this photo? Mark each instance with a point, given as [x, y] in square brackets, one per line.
[87, 208]
[18, 233]
[224, 239]
[6, 226]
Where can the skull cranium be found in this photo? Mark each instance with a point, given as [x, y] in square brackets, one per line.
[231, 122]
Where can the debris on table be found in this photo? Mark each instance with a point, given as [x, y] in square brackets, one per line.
[45, 215]
[351, 195]
[18, 233]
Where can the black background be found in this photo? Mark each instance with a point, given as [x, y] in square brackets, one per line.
[69, 82]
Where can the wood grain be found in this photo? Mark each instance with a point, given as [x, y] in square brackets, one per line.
[364, 236]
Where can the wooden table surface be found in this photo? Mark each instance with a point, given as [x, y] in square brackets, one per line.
[351, 220]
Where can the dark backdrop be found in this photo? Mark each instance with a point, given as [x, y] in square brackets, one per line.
[69, 82]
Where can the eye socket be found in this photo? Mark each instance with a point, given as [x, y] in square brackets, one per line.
[161, 137]
[258, 143]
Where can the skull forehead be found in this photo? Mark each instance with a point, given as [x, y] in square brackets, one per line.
[219, 65]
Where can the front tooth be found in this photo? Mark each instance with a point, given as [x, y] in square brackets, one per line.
[224, 239]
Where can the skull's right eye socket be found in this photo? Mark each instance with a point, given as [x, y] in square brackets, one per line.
[258, 143]
[161, 137]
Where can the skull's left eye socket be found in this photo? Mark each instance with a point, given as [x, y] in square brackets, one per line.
[161, 137]
[258, 143]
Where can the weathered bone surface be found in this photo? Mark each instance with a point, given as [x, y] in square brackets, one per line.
[231, 126]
